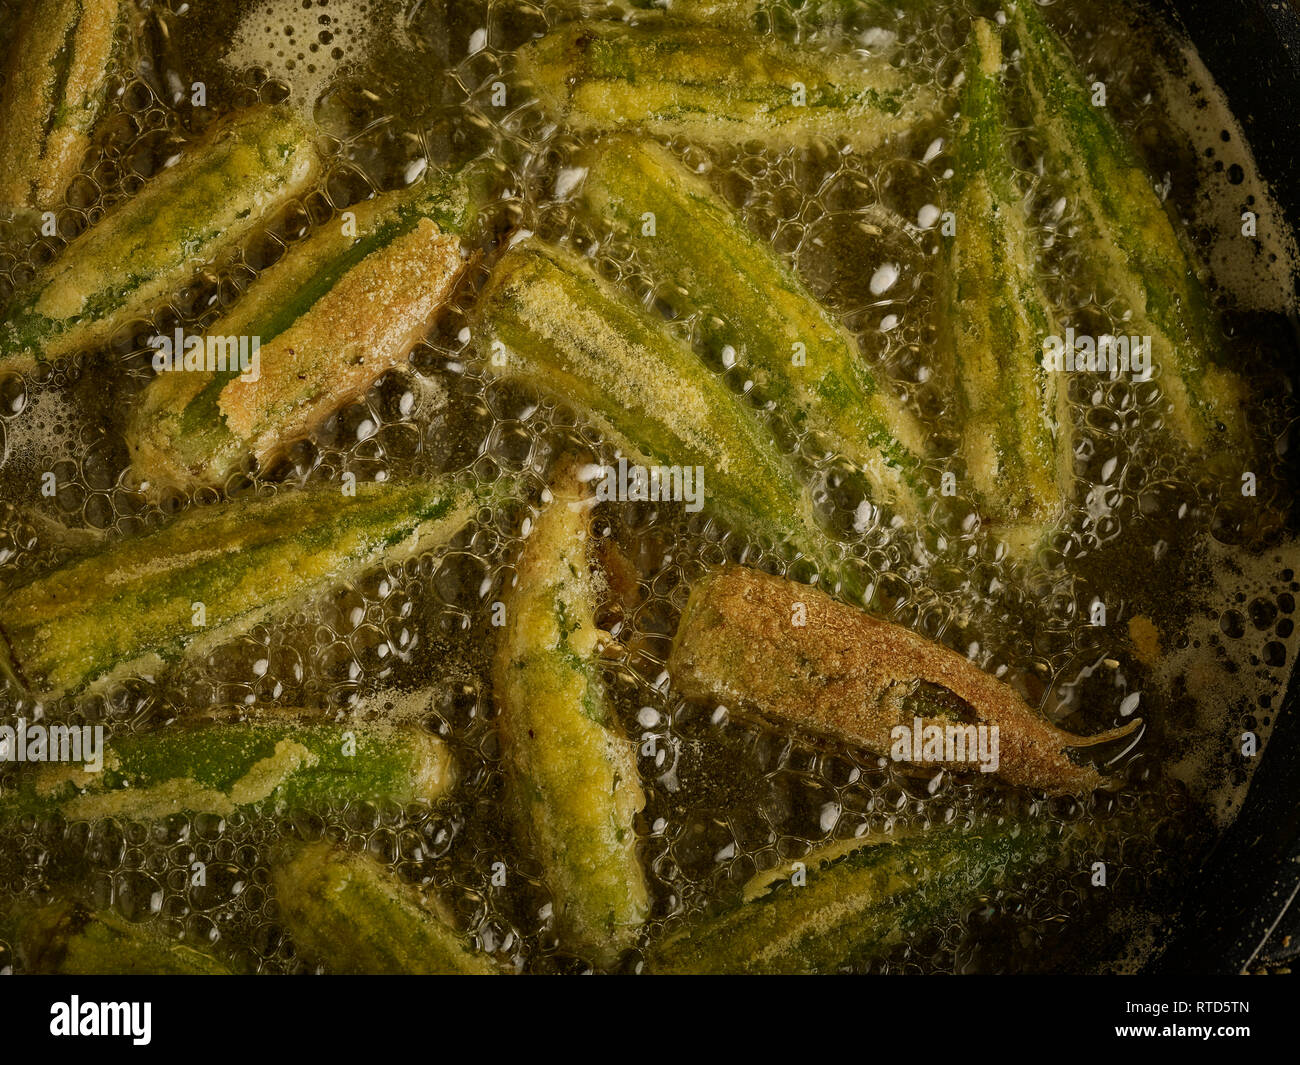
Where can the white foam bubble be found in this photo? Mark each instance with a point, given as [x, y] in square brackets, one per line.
[1258, 273]
[884, 278]
[307, 47]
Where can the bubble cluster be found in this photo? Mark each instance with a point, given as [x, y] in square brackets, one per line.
[1156, 539]
[305, 44]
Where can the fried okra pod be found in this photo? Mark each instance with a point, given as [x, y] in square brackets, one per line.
[56, 85]
[1017, 433]
[1133, 245]
[797, 656]
[68, 938]
[349, 914]
[572, 772]
[716, 87]
[546, 318]
[149, 247]
[801, 358]
[339, 310]
[835, 909]
[220, 767]
[212, 573]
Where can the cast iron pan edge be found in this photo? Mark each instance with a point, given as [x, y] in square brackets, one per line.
[1243, 905]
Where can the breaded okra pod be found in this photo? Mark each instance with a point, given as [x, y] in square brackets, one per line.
[337, 312]
[56, 85]
[219, 767]
[751, 14]
[731, 13]
[548, 319]
[994, 319]
[572, 772]
[349, 914]
[1132, 242]
[67, 938]
[143, 251]
[802, 359]
[854, 907]
[797, 656]
[213, 573]
[715, 87]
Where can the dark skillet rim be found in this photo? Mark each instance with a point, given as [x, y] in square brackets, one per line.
[1247, 894]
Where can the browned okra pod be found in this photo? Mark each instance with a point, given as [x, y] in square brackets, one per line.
[799, 656]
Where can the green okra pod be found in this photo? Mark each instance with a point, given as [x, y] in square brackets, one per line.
[716, 87]
[738, 14]
[349, 914]
[221, 766]
[572, 772]
[213, 573]
[548, 319]
[151, 246]
[56, 86]
[801, 358]
[68, 938]
[1017, 433]
[853, 907]
[800, 657]
[751, 14]
[1132, 241]
[338, 311]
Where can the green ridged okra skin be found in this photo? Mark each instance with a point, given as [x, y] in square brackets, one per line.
[548, 319]
[715, 87]
[219, 767]
[338, 311]
[853, 907]
[994, 320]
[1132, 242]
[751, 14]
[132, 607]
[737, 14]
[572, 772]
[802, 359]
[128, 264]
[56, 86]
[349, 914]
[66, 938]
[728, 14]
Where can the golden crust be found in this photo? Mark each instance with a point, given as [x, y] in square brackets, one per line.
[360, 329]
[44, 137]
